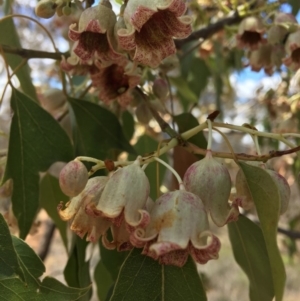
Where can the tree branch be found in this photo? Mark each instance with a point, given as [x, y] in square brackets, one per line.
[208, 31]
[33, 54]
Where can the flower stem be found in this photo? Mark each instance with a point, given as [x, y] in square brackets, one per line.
[209, 140]
[177, 176]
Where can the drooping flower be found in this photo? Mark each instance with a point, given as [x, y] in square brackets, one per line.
[95, 34]
[151, 27]
[115, 83]
[125, 196]
[292, 48]
[210, 181]
[178, 227]
[261, 58]
[78, 210]
[250, 33]
[283, 24]
[75, 66]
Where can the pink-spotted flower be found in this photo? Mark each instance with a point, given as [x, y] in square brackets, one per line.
[151, 27]
[78, 211]
[95, 35]
[115, 83]
[178, 227]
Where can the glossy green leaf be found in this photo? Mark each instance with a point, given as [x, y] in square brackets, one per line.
[36, 141]
[12, 39]
[187, 121]
[50, 196]
[96, 130]
[12, 288]
[9, 263]
[77, 270]
[128, 124]
[103, 280]
[267, 201]
[142, 278]
[146, 144]
[250, 252]
[28, 257]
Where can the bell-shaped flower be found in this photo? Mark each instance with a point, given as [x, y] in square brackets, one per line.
[151, 27]
[115, 83]
[292, 48]
[78, 210]
[250, 33]
[262, 58]
[95, 34]
[210, 180]
[126, 194]
[178, 227]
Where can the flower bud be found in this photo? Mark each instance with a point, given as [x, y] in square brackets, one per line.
[210, 180]
[243, 192]
[143, 114]
[160, 89]
[67, 10]
[73, 178]
[278, 32]
[45, 9]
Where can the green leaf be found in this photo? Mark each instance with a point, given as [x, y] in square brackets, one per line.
[142, 278]
[146, 144]
[28, 257]
[12, 288]
[97, 130]
[77, 270]
[128, 124]
[184, 91]
[9, 263]
[295, 6]
[112, 259]
[250, 252]
[103, 280]
[187, 121]
[12, 39]
[198, 75]
[36, 141]
[266, 197]
[50, 196]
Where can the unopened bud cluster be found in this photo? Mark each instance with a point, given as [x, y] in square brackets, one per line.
[47, 8]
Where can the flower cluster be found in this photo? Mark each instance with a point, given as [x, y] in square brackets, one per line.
[110, 49]
[170, 229]
[269, 49]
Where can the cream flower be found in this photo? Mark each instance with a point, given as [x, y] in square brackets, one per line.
[178, 227]
[125, 194]
[78, 210]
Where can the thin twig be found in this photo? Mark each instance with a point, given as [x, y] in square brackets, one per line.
[208, 31]
[32, 54]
